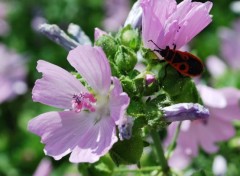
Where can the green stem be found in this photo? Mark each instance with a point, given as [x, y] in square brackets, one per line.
[173, 144]
[145, 169]
[160, 152]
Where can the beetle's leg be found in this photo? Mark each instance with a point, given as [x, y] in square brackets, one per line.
[165, 74]
[174, 46]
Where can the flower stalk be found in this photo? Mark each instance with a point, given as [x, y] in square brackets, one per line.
[173, 144]
[160, 153]
[145, 169]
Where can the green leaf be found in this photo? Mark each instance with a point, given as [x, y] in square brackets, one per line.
[104, 167]
[127, 151]
[181, 89]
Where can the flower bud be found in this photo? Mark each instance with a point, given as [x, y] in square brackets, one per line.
[98, 33]
[185, 111]
[125, 59]
[133, 87]
[149, 79]
[108, 44]
[151, 84]
[125, 128]
[129, 37]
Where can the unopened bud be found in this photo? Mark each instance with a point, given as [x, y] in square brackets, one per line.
[129, 37]
[125, 59]
[108, 44]
[185, 111]
[125, 128]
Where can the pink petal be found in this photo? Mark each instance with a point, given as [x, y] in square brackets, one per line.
[163, 9]
[98, 33]
[96, 142]
[56, 87]
[93, 66]
[215, 130]
[44, 168]
[61, 131]
[212, 97]
[230, 45]
[188, 141]
[182, 9]
[152, 29]
[5, 89]
[119, 101]
[232, 110]
[215, 66]
[179, 160]
[195, 21]
[168, 38]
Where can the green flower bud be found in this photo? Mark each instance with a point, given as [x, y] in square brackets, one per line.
[133, 88]
[125, 59]
[108, 44]
[129, 37]
[114, 69]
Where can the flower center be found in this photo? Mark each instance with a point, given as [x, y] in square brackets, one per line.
[83, 101]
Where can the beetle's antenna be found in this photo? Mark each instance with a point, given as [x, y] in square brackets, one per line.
[154, 44]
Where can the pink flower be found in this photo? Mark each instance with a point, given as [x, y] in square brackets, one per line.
[169, 24]
[223, 105]
[87, 126]
[215, 66]
[12, 74]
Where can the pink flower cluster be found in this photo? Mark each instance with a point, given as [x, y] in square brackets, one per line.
[223, 105]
